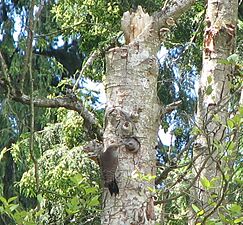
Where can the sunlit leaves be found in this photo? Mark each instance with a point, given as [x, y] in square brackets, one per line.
[14, 211]
[73, 130]
[235, 209]
[94, 201]
[96, 21]
[205, 182]
[199, 212]
[238, 220]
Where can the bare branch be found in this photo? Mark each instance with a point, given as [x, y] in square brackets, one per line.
[75, 104]
[169, 108]
[171, 10]
[68, 102]
[28, 49]
[5, 73]
[168, 169]
[88, 63]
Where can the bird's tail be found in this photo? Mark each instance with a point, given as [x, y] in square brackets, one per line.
[113, 187]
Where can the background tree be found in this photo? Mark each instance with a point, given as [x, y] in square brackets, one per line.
[215, 138]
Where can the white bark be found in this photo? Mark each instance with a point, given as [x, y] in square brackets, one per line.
[131, 83]
[133, 112]
[214, 91]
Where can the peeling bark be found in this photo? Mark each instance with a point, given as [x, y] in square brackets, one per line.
[219, 42]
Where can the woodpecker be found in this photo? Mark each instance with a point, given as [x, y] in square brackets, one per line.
[109, 163]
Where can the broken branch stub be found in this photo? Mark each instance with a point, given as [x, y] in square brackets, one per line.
[134, 24]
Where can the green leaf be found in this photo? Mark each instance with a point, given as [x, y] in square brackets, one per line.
[216, 118]
[69, 212]
[213, 222]
[90, 190]
[209, 222]
[230, 123]
[209, 90]
[236, 119]
[3, 200]
[235, 209]
[39, 198]
[74, 201]
[73, 206]
[223, 218]
[200, 213]
[241, 111]
[209, 79]
[231, 146]
[13, 207]
[195, 208]
[77, 179]
[94, 201]
[196, 130]
[205, 182]
[234, 58]
[238, 220]
[3, 151]
[12, 199]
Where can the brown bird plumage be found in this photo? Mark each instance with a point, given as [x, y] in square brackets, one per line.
[109, 163]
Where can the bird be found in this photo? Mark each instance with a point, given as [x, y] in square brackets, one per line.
[109, 164]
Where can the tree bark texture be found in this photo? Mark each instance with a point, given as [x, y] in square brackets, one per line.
[214, 92]
[132, 116]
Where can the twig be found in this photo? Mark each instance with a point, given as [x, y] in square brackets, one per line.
[222, 196]
[191, 184]
[169, 108]
[88, 63]
[5, 73]
[165, 5]
[167, 170]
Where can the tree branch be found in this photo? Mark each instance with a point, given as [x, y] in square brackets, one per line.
[174, 10]
[169, 108]
[68, 102]
[88, 63]
[75, 104]
[5, 73]
[168, 169]
[191, 183]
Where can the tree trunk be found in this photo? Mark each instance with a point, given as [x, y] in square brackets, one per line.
[214, 90]
[132, 120]
[128, 160]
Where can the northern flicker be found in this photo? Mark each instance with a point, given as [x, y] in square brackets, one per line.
[109, 163]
